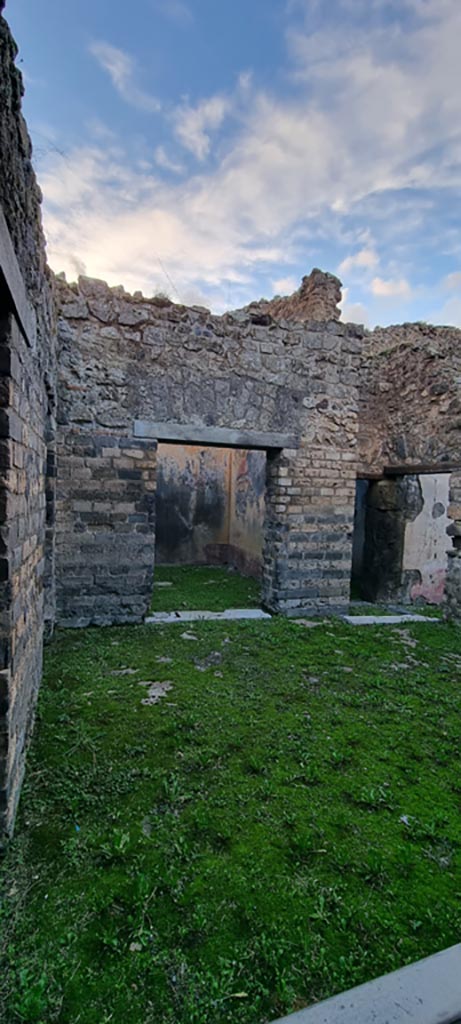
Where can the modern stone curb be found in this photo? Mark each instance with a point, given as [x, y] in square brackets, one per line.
[427, 992]
[385, 620]
[162, 618]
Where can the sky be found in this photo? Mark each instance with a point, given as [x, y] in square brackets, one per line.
[217, 150]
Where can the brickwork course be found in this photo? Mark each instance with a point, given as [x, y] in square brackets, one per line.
[27, 401]
[77, 482]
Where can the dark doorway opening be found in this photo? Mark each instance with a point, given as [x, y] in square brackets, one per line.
[399, 542]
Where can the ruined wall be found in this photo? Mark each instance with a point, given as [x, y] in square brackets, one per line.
[317, 298]
[122, 359]
[210, 507]
[27, 395]
[410, 397]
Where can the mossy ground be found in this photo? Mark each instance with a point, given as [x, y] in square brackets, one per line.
[201, 587]
[285, 823]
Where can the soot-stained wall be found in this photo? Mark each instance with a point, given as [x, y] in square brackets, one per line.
[192, 504]
[210, 506]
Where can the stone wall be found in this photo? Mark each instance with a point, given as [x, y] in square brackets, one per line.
[317, 298]
[27, 398]
[410, 398]
[124, 358]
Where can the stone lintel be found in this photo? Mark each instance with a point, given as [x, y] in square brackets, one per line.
[224, 437]
[426, 992]
[420, 468]
[9, 268]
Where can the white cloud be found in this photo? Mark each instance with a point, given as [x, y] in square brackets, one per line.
[452, 282]
[367, 115]
[176, 11]
[285, 285]
[448, 313]
[121, 69]
[100, 131]
[163, 160]
[366, 259]
[194, 124]
[390, 289]
[355, 313]
[130, 227]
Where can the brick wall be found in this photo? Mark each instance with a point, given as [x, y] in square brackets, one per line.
[105, 523]
[27, 398]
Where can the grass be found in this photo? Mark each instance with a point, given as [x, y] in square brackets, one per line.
[203, 588]
[428, 610]
[283, 824]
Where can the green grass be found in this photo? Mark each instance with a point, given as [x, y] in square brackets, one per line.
[282, 825]
[429, 611]
[198, 588]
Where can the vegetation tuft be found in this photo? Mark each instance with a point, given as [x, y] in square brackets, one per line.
[282, 824]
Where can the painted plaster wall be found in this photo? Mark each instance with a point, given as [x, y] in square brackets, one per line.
[247, 510]
[210, 506]
[426, 542]
[192, 504]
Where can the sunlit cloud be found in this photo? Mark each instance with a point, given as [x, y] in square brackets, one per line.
[396, 288]
[366, 259]
[285, 285]
[351, 155]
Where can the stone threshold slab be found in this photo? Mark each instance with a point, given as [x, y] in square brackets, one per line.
[385, 620]
[162, 618]
[426, 992]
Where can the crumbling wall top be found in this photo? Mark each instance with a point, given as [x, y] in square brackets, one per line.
[317, 298]
[315, 301]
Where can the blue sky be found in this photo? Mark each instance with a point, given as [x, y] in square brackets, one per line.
[217, 150]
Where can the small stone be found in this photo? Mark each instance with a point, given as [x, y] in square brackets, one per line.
[156, 690]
